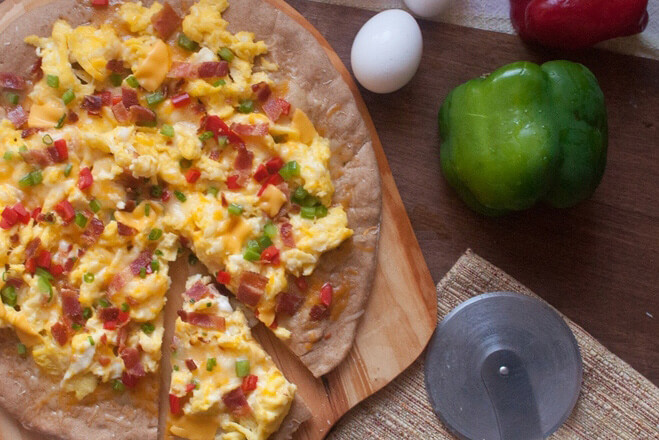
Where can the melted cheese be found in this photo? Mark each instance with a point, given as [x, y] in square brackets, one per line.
[45, 115]
[153, 69]
[237, 232]
[272, 200]
[195, 427]
[303, 125]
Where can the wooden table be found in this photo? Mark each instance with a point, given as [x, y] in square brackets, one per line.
[598, 263]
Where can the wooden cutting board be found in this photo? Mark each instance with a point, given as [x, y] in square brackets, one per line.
[400, 316]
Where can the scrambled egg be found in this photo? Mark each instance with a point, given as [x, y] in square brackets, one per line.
[130, 144]
[210, 364]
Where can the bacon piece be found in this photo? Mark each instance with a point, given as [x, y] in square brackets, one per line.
[107, 314]
[212, 69]
[326, 293]
[243, 159]
[115, 66]
[92, 232]
[36, 73]
[197, 291]
[142, 115]
[120, 113]
[38, 158]
[17, 116]
[119, 280]
[236, 402]
[174, 404]
[203, 320]
[32, 246]
[182, 70]
[251, 288]
[131, 358]
[72, 117]
[261, 90]
[129, 97]
[71, 305]
[288, 303]
[106, 97]
[286, 232]
[12, 81]
[318, 312]
[93, 104]
[142, 260]
[191, 364]
[29, 132]
[125, 230]
[251, 129]
[60, 333]
[275, 107]
[166, 21]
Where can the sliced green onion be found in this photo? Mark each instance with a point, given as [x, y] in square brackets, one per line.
[9, 296]
[167, 130]
[156, 191]
[279, 139]
[246, 106]
[155, 265]
[185, 163]
[175, 368]
[226, 54]
[270, 230]
[290, 170]
[235, 209]
[67, 169]
[45, 287]
[60, 122]
[22, 149]
[68, 96]
[75, 326]
[222, 141]
[251, 255]
[8, 155]
[41, 272]
[310, 201]
[206, 135]
[209, 305]
[118, 385]
[52, 81]
[124, 307]
[104, 303]
[132, 82]
[242, 367]
[95, 205]
[155, 234]
[116, 79]
[210, 364]
[91, 340]
[32, 178]
[47, 139]
[308, 212]
[321, 211]
[88, 278]
[158, 252]
[212, 190]
[87, 313]
[299, 195]
[155, 98]
[12, 98]
[219, 82]
[264, 241]
[192, 259]
[81, 220]
[5, 275]
[143, 272]
[186, 43]
[147, 209]
[148, 328]
[21, 348]
[180, 196]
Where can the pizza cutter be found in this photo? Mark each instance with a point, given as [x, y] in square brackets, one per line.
[503, 366]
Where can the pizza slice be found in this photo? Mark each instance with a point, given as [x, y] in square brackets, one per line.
[223, 384]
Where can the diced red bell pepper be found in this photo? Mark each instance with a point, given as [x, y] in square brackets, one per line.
[85, 179]
[10, 216]
[181, 100]
[174, 404]
[232, 182]
[110, 325]
[274, 179]
[31, 265]
[35, 213]
[274, 165]
[116, 99]
[62, 150]
[44, 258]
[166, 195]
[22, 213]
[261, 173]
[192, 175]
[249, 383]
[123, 317]
[65, 210]
[104, 360]
[189, 387]
[100, 3]
[60, 333]
[271, 255]
[223, 277]
[4, 224]
[326, 293]
[56, 269]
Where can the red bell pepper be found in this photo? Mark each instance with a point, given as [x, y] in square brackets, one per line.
[576, 24]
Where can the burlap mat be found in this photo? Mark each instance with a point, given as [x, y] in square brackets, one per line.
[616, 402]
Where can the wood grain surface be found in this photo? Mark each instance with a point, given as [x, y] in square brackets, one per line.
[401, 313]
[598, 263]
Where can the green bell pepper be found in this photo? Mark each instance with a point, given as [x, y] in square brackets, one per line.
[525, 133]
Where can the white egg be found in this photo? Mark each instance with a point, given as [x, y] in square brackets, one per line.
[427, 8]
[387, 51]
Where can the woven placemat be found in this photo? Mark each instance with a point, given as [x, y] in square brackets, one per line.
[616, 402]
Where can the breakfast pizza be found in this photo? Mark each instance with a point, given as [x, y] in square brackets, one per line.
[140, 129]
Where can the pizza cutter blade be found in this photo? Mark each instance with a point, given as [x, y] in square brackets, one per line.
[503, 366]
